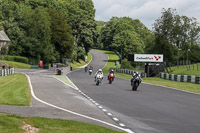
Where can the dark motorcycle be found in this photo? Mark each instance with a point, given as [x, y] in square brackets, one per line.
[135, 83]
[86, 69]
[111, 78]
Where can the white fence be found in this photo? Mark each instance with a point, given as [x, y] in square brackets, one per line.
[6, 72]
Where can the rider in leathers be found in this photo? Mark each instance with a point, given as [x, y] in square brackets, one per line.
[99, 72]
[112, 71]
[136, 74]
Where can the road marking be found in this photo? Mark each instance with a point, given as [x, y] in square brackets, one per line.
[121, 124]
[109, 114]
[104, 110]
[84, 116]
[115, 119]
[100, 107]
[74, 87]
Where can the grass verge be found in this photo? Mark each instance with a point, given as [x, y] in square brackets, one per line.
[15, 90]
[81, 63]
[64, 79]
[17, 64]
[182, 70]
[157, 81]
[13, 124]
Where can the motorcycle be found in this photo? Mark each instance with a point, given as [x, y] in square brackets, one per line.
[98, 79]
[135, 83]
[90, 71]
[111, 78]
[86, 69]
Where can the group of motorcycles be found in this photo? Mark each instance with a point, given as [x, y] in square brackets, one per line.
[135, 80]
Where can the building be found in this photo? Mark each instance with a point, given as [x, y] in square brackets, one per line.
[4, 40]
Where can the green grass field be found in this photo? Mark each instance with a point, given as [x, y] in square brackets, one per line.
[16, 64]
[182, 70]
[14, 90]
[13, 124]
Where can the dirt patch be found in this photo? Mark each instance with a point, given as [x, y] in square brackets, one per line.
[29, 128]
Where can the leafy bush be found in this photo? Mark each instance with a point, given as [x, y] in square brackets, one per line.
[15, 58]
[21, 59]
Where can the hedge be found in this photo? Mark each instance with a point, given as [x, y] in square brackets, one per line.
[15, 58]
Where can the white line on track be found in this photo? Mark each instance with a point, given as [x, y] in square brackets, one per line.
[115, 119]
[109, 114]
[84, 116]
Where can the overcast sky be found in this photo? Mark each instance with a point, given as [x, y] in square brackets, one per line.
[146, 11]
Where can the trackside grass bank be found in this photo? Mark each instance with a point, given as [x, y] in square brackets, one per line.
[14, 124]
[193, 69]
[14, 64]
[81, 63]
[155, 80]
[14, 90]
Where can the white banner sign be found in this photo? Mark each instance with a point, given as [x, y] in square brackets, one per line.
[148, 57]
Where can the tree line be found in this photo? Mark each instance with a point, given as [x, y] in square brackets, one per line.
[49, 30]
[173, 35]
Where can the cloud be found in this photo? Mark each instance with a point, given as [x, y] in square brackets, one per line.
[145, 10]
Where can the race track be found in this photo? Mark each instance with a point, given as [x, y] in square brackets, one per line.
[151, 109]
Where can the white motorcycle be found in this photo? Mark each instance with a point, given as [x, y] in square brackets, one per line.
[90, 71]
[98, 79]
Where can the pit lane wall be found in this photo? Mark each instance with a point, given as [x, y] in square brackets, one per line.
[181, 78]
[6, 72]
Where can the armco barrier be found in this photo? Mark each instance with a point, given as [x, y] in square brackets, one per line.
[6, 72]
[127, 71]
[181, 78]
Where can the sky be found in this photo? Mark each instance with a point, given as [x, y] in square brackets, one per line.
[147, 11]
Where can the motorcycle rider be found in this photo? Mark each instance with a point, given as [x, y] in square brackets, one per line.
[91, 68]
[99, 72]
[136, 74]
[86, 68]
[111, 72]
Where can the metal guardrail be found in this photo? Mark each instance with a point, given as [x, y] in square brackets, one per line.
[6, 72]
[181, 78]
[127, 71]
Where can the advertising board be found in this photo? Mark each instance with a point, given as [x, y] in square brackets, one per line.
[148, 57]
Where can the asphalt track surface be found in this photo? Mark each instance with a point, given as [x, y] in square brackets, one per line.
[151, 109]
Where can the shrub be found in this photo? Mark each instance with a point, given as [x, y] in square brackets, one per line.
[15, 58]
[21, 59]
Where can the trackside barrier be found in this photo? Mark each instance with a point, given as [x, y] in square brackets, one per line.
[127, 71]
[181, 78]
[6, 72]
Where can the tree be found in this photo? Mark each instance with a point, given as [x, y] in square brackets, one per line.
[125, 35]
[61, 36]
[174, 32]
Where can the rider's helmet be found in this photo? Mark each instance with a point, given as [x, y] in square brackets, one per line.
[112, 70]
[136, 73]
[100, 70]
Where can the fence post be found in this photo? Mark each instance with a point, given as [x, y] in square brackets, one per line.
[193, 66]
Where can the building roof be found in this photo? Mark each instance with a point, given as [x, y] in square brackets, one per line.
[3, 36]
